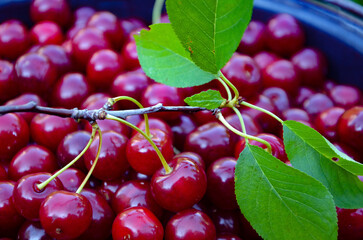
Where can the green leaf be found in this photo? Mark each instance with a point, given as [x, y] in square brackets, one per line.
[209, 99]
[210, 29]
[311, 153]
[163, 58]
[281, 202]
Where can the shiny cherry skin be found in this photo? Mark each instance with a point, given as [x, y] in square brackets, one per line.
[112, 162]
[35, 73]
[58, 56]
[350, 223]
[264, 58]
[228, 236]
[253, 40]
[102, 217]
[46, 32]
[65, 215]
[137, 223]
[3, 173]
[207, 116]
[296, 114]
[10, 219]
[326, 122]
[53, 10]
[345, 96]
[110, 125]
[244, 74]
[316, 104]
[252, 126]
[349, 127]
[8, 88]
[32, 231]
[48, 130]
[278, 97]
[142, 156]
[311, 66]
[303, 93]
[95, 101]
[14, 134]
[14, 39]
[211, 141]
[135, 193]
[82, 15]
[28, 197]
[108, 188]
[284, 35]
[129, 55]
[181, 128]
[194, 157]
[190, 224]
[226, 221]
[32, 159]
[220, 188]
[70, 91]
[180, 189]
[130, 24]
[71, 179]
[155, 123]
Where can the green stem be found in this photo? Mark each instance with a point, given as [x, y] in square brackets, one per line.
[94, 128]
[243, 127]
[157, 150]
[234, 89]
[45, 183]
[227, 88]
[262, 110]
[158, 7]
[147, 128]
[225, 123]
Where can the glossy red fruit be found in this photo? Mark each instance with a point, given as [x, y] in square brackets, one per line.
[28, 197]
[58, 56]
[46, 32]
[108, 188]
[180, 189]
[155, 123]
[349, 151]
[350, 223]
[284, 35]
[14, 39]
[30, 230]
[65, 215]
[137, 223]
[82, 15]
[110, 125]
[350, 127]
[264, 58]
[244, 74]
[53, 10]
[71, 179]
[316, 104]
[3, 173]
[252, 127]
[279, 97]
[296, 114]
[253, 40]
[303, 93]
[220, 188]
[181, 128]
[228, 236]
[95, 101]
[194, 157]
[130, 24]
[32, 159]
[207, 116]
[326, 122]
[112, 162]
[8, 88]
[190, 224]
[129, 55]
[14, 134]
[226, 221]
[345, 96]
[142, 156]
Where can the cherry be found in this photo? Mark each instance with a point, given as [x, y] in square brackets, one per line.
[102, 217]
[253, 40]
[8, 88]
[345, 96]
[58, 56]
[65, 215]
[53, 10]
[142, 156]
[129, 54]
[32, 231]
[263, 59]
[350, 223]
[82, 15]
[228, 236]
[247, 231]
[244, 74]
[49, 130]
[207, 116]
[278, 97]
[226, 221]
[14, 134]
[303, 93]
[252, 127]
[350, 127]
[181, 128]
[317, 103]
[296, 114]
[328, 85]
[349, 151]
[71, 179]
[46, 32]
[110, 125]
[10, 219]
[112, 162]
[180, 189]
[14, 39]
[190, 224]
[135, 193]
[311, 66]
[194, 157]
[3, 173]
[95, 101]
[32, 159]
[326, 122]
[284, 35]
[133, 175]
[28, 197]
[220, 188]
[128, 25]
[155, 123]
[108, 188]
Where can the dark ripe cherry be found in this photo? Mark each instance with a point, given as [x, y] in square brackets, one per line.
[277, 146]
[134, 175]
[194, 157]
[3, 173]
[129, 55]
[28, 197]
[244, 74]
[102, 217]
[349, 151]
[317, 103]
[110, 125]
[14, 39]
[46, 32]
[69, 148]
[103, 67]
[311, 66]
[326, 122]
[131, 84]
[350, 127]
[181, 128]
[142, 156]
[95, 101]
[155, 123]
[8, 88]
[85, 43]
[296, 114]
[112, 162]
[228, 236]
[350, 224]
[71, 179]
[345, 96]
[263, 59]
[14, 134]
[65, 215]
[32, 231]
[284, 35]
[130, 24]
[134, 119]
[108, 188]
[207, 116]
[32, 159]
[211, 141]
[53, 10]
[137, 223]
[70, 91]
[247, 231]
[58, 56]
[278, 97]
[10, 219]
[253, 40]
[190, 224]
[226, 221]
[135, 193]
[303, 93]
[82, 15]
[180, 189]
[49, 130]
[252, 127]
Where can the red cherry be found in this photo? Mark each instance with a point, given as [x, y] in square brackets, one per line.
[278, 97]
[253, 40]
[130, 24]
[181, 128]
[345, 96]
[228, 236]
[71, 179]
[207, 116]
[129, 55]
[46, 32]
[350, 127]
[252, 127]
[326, 122]
[194, 157]
[317, 103]
[349, 151]
[53, 10]
[296, 114]
[303, 93]
[82, 15]
[14, 39]
[108, 188]
[350, 223]
[95, 101]
[31, 229]
[263, 59]
[137, 223]
[226, 221]
[3, 173]
[155, 123]
[8, 88]
[58, 56]
[110, 125]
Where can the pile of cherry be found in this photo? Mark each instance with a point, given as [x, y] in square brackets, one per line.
[79, 60]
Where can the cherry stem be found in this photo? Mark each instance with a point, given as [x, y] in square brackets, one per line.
[243, 127]
[225, 123]
[234, 89]
[262, 110]
[229, 94]
[158, 7]
[45, 183]
[157, 150]
[116, 99]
